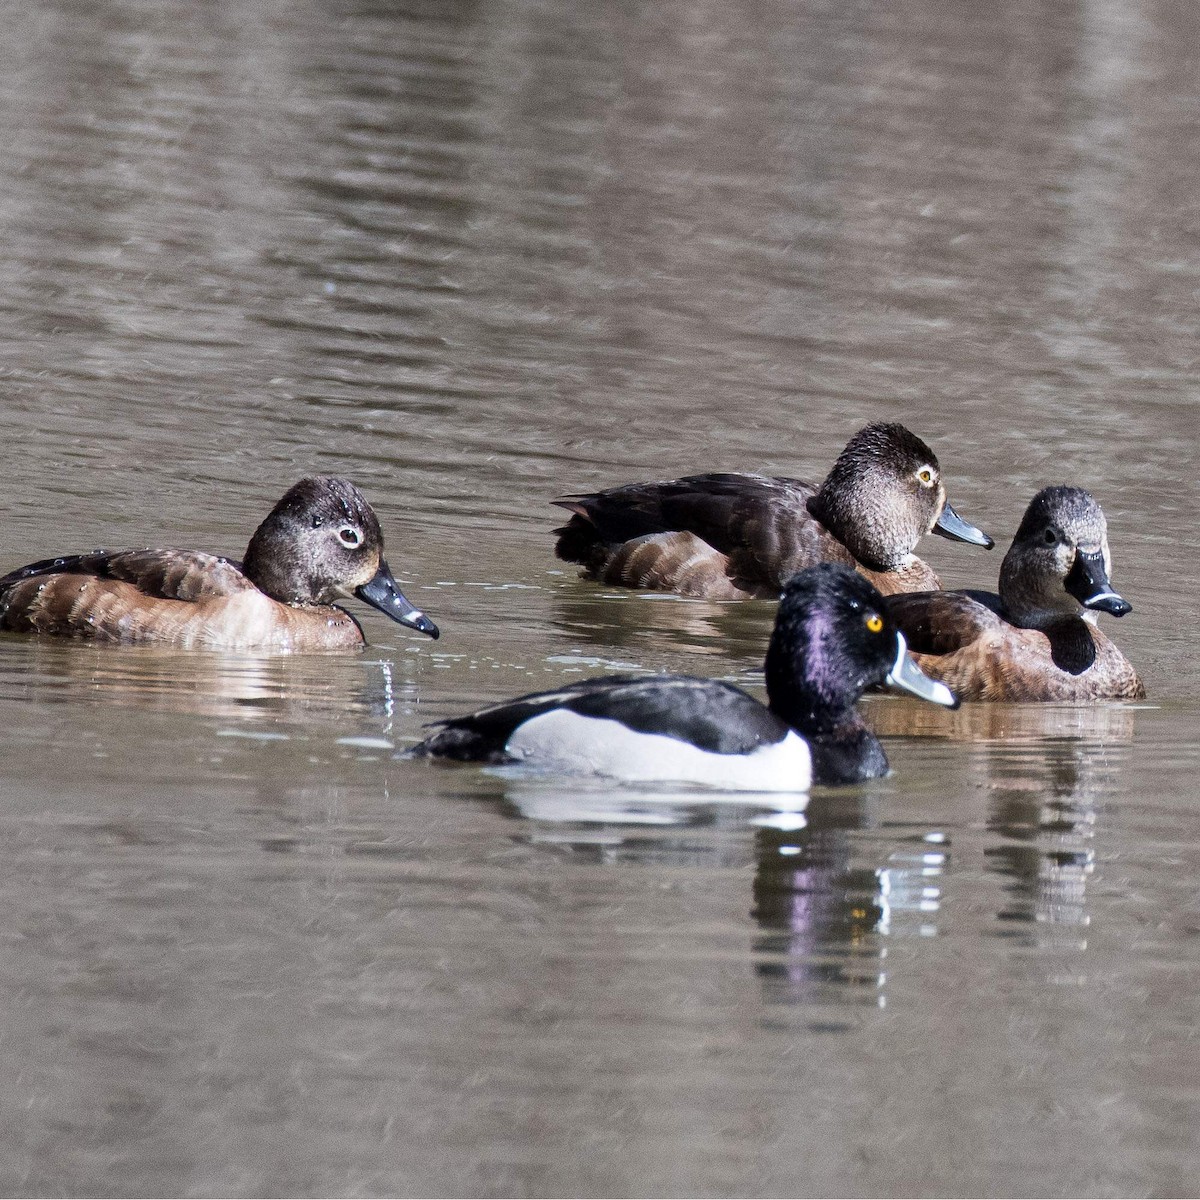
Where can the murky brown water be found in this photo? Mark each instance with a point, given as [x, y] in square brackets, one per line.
[472, 255]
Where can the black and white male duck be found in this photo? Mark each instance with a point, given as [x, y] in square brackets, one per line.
[734, 537]
[1037, 639]
[832, 640]
[320, 543]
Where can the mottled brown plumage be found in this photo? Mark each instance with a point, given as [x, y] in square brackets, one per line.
[1036, 640]
[321, 542]
[733, 536]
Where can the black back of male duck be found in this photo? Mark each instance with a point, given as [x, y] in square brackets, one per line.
[321, 542]
[1036, 639]
[832, 639]
[728, 536]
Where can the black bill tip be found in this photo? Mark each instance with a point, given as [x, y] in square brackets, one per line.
[1109, 602]
[1088, 582]
[383, 592]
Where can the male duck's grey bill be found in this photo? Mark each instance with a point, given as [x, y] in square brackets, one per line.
[1088, 582]
[906, 675]
[384, 593]
[951, 525]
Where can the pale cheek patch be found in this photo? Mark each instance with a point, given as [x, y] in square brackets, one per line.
[566, 741]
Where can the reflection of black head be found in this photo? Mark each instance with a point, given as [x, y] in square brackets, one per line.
[815, 913]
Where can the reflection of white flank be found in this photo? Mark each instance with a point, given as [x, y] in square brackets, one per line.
[549, 801]
[907, 886]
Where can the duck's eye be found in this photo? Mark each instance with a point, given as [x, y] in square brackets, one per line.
[349, 536]
[874, 622]
[925, 477]
[1051, 535]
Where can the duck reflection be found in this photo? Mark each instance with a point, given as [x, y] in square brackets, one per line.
[205, 683]
[826, 906]
[824, 914]
[650, 826]
[1045, 768]
[1043, 813]
[835, 879]
[989, 724]
[647, 626]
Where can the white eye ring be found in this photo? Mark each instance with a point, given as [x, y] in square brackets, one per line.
[926, 477]
[349, 536]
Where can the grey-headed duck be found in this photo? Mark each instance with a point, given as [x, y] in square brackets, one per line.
[320, 543]
[1037, 639]
[733, 537]
[832, 639]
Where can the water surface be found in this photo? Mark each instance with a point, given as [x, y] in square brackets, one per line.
[473, 256]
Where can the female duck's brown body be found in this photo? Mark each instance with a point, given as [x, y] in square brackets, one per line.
[321, 542]
[733, 536]
[1035, 640]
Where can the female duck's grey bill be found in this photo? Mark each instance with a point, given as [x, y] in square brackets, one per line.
[1088, 582]
[384, 593]
[951, 525]
[906, 675]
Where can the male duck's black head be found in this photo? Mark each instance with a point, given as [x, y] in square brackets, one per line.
[1059, 562]
[833, 639]
[321, 543]
[884, 493]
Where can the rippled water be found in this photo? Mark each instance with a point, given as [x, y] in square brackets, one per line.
[473, 256]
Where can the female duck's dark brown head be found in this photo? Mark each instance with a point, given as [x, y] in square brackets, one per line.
[321, 543]
[883, 494]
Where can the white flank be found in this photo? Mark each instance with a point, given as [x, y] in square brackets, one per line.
[565, 741]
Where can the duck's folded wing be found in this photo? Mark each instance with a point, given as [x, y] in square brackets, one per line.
[162, 574]
[709, 714]
[943, 622]
[748, 533]
[718, 508]
[481, 736]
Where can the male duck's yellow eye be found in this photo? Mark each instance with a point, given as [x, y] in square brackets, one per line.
[874, 622]
[925, 475]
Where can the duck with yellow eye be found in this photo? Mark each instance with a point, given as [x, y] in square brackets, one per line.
[832, 640]
[729, 536]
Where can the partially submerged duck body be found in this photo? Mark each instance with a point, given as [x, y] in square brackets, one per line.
[832, 639]
[1036, 639]
[728, 536]
[321, 542]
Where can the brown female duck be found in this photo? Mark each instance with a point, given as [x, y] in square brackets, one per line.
[320, 543]
[734, 537]
[1037, 639]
